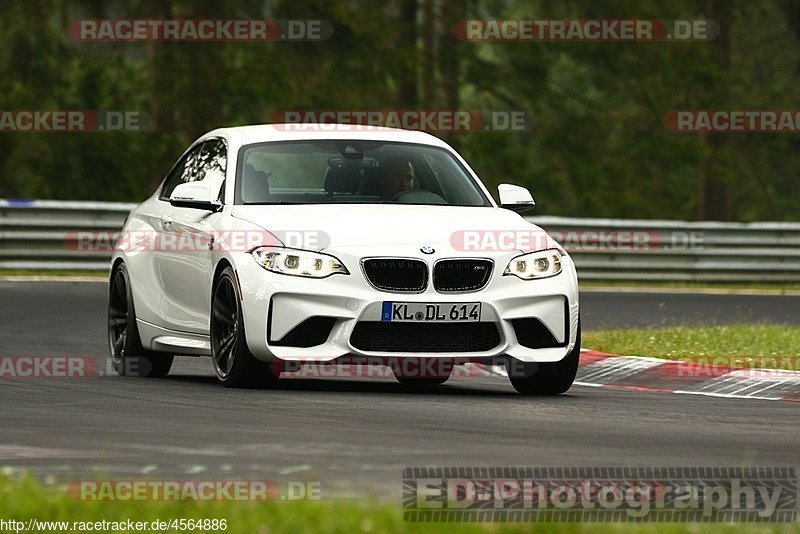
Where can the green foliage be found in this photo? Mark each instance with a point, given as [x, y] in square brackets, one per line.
[599, 147]
[25, 499]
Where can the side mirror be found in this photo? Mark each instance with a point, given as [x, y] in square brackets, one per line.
[195, 195]
[515, 198]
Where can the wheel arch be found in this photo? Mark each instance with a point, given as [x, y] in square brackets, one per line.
[222, 264]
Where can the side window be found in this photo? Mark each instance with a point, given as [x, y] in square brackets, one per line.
[182, 172]
[212, 164]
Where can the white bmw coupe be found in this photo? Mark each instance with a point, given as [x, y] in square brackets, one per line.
[270, 245]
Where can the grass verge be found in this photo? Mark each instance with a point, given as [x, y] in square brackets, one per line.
[771, 346]
[60, 273]
[25, 499]
[688, 285]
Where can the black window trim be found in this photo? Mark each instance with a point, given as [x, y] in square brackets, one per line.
[186, 152]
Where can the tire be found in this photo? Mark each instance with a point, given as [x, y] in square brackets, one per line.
[550, 378]
[234, 364]
[128, 356]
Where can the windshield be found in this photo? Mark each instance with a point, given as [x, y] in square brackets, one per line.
[361, 172]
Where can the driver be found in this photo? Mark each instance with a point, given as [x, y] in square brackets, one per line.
[397, 177]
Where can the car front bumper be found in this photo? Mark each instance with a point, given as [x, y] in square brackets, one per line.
[274, 304]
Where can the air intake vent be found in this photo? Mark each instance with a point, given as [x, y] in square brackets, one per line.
[375, 336]
[533, 334]
[310, 333]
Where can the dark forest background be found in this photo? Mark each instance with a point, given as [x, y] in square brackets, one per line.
[599, 147]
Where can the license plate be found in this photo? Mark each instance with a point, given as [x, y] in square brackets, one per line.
[416, 312]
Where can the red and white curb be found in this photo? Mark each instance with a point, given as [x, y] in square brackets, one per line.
[599, 369]
[638, 373]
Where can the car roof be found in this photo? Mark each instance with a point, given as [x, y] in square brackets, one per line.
[261, 133]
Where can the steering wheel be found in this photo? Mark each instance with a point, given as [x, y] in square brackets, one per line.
[418, 196]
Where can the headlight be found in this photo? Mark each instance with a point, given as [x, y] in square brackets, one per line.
[296, 262]
[535, 265]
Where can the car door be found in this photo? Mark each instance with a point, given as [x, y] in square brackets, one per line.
[184, 257]
[147, 226]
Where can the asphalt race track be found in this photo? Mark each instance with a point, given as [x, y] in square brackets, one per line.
[355, 436]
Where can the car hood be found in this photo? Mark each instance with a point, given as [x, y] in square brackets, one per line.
[360, 225]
